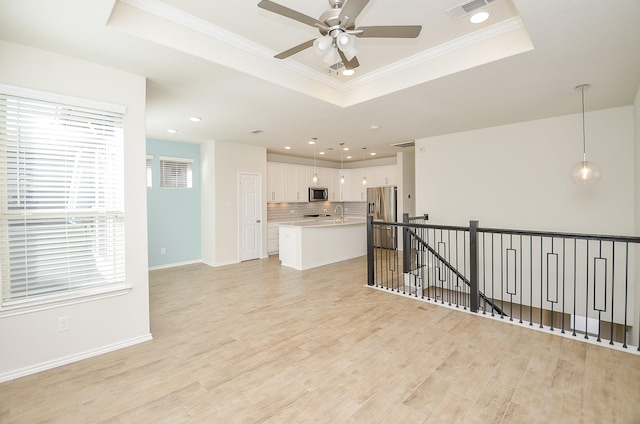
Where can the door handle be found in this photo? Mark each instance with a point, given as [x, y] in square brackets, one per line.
[257, 221]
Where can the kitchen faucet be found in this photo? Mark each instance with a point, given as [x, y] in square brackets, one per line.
[341, 211]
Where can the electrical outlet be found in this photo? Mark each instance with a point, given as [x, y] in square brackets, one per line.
[163, 250]
[63, 324]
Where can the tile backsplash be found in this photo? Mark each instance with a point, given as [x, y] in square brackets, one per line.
[287, 210]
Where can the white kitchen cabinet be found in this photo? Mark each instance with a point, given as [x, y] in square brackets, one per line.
[273, 238]
[275, 182]
[345, 188]
[359, 190]
[322, 177]
[333, 184]
[384, 175]
[295, 179]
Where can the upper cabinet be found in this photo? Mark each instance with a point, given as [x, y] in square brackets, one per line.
[275, 182]
[361, 178]
[385, 175]
[333, 184]
[290, 183]
[320, 173]
[295, 183]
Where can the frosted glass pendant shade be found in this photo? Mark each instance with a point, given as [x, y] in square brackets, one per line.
[331, 56]
[585, 172]
[322, 45]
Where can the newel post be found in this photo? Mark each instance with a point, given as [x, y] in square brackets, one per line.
[370, 268]
[473, 262]
[406, 245]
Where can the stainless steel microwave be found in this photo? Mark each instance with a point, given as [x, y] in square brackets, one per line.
[318, 194]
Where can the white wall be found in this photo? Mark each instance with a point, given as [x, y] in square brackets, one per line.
[407, 184]
[30, 341]
[221, 163]
[517, 176]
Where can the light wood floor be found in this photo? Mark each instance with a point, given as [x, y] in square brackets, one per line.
[258, 343]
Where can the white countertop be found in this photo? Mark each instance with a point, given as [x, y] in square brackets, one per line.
[303, 219]
[326, 221]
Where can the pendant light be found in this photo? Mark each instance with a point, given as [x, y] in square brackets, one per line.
[584, 172]
[364, 169]
[315, 169]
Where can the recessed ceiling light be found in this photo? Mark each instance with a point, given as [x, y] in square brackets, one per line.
[345, 149]
[478, 18]
[195, 119]
[172, 131]
[321, 153]
[375, 127]
[348, 72]
[348, 157]
[372, 153]
[287, 147]
[312, 142]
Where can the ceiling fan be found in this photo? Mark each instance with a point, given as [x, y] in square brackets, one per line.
[337, 28]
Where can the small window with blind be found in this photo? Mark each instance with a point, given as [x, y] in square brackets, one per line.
[149, 175]
[61, 198]
[175, 172]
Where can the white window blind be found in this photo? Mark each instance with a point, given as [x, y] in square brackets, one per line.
[61, 200]
[149, 180]
[175, 172]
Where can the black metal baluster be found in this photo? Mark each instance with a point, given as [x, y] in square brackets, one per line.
[493, 276]
[501, 276]
[626, 296]
[575, 282]
[484, 273]
[541, 284]
[613, 286]
[564, 276]
[531, 280]
[520, 320]
[586, 306]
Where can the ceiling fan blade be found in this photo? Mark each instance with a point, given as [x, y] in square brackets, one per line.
[400, 31]
[293, 50]
[352, 9]
[348, 64]
[289, 13]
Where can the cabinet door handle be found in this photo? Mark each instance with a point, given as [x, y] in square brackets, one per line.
[257, 221]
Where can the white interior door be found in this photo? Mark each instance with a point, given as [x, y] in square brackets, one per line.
[250, 216]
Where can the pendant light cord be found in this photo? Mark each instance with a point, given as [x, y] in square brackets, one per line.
[584, 137]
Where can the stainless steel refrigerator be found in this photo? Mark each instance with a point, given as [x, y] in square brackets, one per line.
[382, 205]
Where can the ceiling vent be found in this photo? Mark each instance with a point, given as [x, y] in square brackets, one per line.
[411, 143]
[468, 7]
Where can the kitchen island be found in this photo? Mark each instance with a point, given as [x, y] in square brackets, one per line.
[309, 244]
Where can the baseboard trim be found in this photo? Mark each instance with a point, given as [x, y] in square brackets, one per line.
[175, 264]
[22, 372]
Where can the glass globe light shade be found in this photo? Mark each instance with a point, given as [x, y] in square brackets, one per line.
[315, 178]
[364, 180]
[585, 172]
[347, 44]
[341, 179]
[331, 56]
[322, 45]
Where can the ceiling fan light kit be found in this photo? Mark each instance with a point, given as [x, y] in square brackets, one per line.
[338, 31]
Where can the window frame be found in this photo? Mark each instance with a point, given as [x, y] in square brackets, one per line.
[77, 291]
[176, 181]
